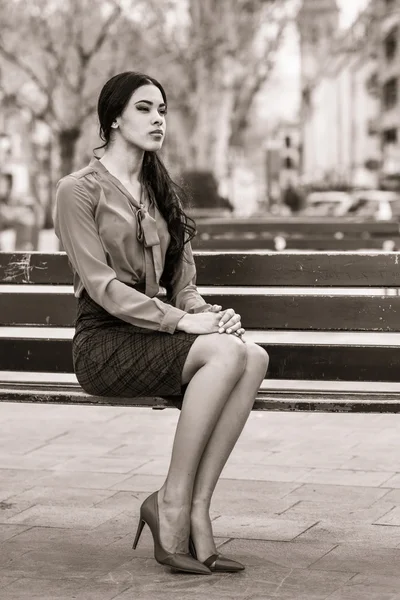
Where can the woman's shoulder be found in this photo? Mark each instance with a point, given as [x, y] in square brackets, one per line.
[81, 180]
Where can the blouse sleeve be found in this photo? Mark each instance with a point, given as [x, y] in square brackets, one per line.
[76, 228]
[184, 293]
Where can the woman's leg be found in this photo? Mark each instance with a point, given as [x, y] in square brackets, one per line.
[220, 445]
[213, 367]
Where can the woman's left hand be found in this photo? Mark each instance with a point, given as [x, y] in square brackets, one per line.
[230, 321]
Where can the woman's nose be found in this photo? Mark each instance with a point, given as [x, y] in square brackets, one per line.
[158, 119]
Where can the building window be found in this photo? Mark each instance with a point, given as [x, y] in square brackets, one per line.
[390, 44]
[288, 163]
[390, 136]
[390, 93]
[288, 141]
[314, 35]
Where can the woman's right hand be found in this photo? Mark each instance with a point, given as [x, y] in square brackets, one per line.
[200, 323]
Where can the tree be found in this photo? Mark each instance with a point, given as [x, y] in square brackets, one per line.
[54, 56]
[220, 53]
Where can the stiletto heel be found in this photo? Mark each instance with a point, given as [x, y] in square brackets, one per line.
[178, 561]
[138, 533]
[217, 563]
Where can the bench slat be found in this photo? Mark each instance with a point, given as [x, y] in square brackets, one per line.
[287, 401]
[320, 312]
[308, 243]
[297, 225]
[287, 361]
[297, 269]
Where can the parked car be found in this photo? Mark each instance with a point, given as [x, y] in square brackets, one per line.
[380, 205]
[327, 204]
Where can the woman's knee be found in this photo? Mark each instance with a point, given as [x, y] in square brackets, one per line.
[257, 357]
[229, 350]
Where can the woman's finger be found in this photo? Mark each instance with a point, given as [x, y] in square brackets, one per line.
[227, 316]
[234, 322]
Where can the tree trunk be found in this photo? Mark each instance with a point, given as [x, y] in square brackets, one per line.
[67, 140]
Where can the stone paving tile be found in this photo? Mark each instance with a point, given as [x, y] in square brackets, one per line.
[336, 512]
[261, 583]
[347, 477]
[65, 589]
[355, 592]
[265, 473]
[11, 510]
[388, 587]
[24, 477]
[6, 581]
[70, 497]
[19, 445]
[356, 533]
[103, 464]
[306, 459]
[390, 518]
[357, 558]
[357, 496]
[393, 481]
[26, 461]
[68, 450]
[48, 538]
[379, 461]
[60, 516]
[141, 483]
[393, 496]
[9, 531]
[261, 527]
[60, 563]
[247, 490]
[293, 555]
[81, 479]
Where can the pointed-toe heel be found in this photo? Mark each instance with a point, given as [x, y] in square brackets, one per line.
[218, 563]
[178, 562]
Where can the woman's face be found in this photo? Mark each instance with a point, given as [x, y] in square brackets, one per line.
[142, 124]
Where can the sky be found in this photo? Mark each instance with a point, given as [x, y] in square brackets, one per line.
[283, 89]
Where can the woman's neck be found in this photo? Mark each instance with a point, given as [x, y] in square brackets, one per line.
[123, 163]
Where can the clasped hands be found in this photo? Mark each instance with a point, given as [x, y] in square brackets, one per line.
[230, 321]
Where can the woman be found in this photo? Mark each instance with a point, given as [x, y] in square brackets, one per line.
[121, 223]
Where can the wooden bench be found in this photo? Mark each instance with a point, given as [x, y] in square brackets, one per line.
[271, 233]
[328, 351]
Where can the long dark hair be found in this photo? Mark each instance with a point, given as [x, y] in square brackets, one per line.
[168, 195]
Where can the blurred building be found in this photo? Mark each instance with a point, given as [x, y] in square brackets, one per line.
[389, 81]
[283, 159]
[340, 96]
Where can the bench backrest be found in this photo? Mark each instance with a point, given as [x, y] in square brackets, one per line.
[320, 316]
[295, 233]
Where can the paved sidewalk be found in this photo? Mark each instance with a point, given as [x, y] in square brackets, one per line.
[309, 502]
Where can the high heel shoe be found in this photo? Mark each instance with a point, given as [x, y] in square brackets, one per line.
[178, 561]
[218, 563]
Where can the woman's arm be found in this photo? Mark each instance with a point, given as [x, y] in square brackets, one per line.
[184, 291]
[76, 228]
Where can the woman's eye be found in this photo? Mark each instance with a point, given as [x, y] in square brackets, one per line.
[144, 108]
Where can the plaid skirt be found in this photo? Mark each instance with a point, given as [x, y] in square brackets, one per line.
[114, 358]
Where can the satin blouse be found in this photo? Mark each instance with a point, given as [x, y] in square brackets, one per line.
[115, 245]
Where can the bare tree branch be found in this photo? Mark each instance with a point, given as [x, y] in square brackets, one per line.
[86, 55]
[23, 66]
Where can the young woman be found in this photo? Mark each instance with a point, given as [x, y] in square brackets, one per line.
[120, 221]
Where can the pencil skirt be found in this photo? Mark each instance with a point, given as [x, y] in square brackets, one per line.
[116, 359]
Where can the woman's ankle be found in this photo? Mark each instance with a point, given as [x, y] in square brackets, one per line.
[173, 497]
